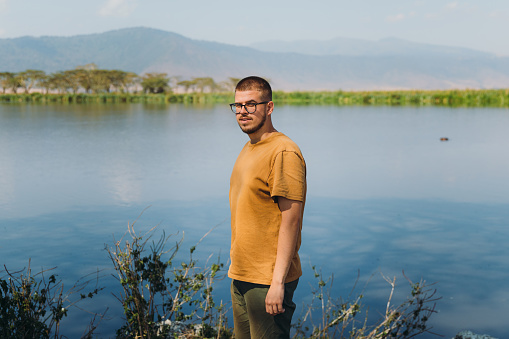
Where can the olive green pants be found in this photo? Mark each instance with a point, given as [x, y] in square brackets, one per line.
[250, 319]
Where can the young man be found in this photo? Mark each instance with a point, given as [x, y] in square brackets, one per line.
[267, 197]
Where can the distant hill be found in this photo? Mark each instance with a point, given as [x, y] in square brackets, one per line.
[388, 64]
[357, 47]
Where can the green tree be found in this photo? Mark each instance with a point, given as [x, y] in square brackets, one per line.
[29, 78]
[203, 84]
[155, 83]
[3, 81]
[117, 79]
[71, 78]
[230, 84]
[101, 81]
[131, 79]
[187, 84]
[59, 82]
[85, 76]
[10, 80]
[45, 83]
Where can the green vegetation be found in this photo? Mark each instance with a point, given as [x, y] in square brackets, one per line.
[468, 97]
[33, 305]
[89, 79]
[156, 295]
[452, 98]
[165, 299]
[87, 84]
[83, 98]
[338, 318]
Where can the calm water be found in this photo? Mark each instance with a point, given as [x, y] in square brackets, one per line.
[384, 195]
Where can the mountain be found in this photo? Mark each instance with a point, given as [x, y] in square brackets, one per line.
[357, 47]
[408, 65]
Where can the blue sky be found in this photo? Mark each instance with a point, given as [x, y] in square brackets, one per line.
[481, 25]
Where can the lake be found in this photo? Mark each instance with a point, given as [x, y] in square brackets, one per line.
[385, 196]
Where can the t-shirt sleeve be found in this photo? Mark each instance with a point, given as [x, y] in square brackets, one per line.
[288, 176]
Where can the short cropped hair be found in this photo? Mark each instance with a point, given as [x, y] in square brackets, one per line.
[254, 83]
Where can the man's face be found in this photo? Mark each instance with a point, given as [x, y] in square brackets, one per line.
[251, 122]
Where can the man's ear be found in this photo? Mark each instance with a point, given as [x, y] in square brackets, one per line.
[270, 107]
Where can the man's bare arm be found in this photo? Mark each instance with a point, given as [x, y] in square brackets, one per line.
[288, 235]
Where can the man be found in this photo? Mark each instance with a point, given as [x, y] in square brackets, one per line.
[267, 197]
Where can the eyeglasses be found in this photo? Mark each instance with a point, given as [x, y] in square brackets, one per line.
[249, 106]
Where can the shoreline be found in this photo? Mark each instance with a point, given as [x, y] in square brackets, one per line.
[450, 98]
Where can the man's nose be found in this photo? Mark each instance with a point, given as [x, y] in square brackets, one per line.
[243, 110]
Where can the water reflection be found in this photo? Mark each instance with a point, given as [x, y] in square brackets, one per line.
[385, 195]
[456, 245]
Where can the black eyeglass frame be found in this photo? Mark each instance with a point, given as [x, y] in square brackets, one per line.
[235, 105]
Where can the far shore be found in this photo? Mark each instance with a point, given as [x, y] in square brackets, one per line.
[453, 98]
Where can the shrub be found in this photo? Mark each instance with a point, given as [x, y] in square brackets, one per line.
[158, 297]
[32, 306]
[338, 318]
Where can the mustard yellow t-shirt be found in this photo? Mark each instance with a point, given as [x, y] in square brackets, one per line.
[271, 168]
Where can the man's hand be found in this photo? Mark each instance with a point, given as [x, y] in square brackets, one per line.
[274, 299]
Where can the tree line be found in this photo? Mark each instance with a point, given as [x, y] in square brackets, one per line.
[89, 84]
[90, 79]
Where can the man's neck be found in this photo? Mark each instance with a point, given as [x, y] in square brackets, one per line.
[261, 135]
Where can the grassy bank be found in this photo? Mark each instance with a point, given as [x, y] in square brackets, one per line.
[82, 98]
[454, 98]
[469, 98]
